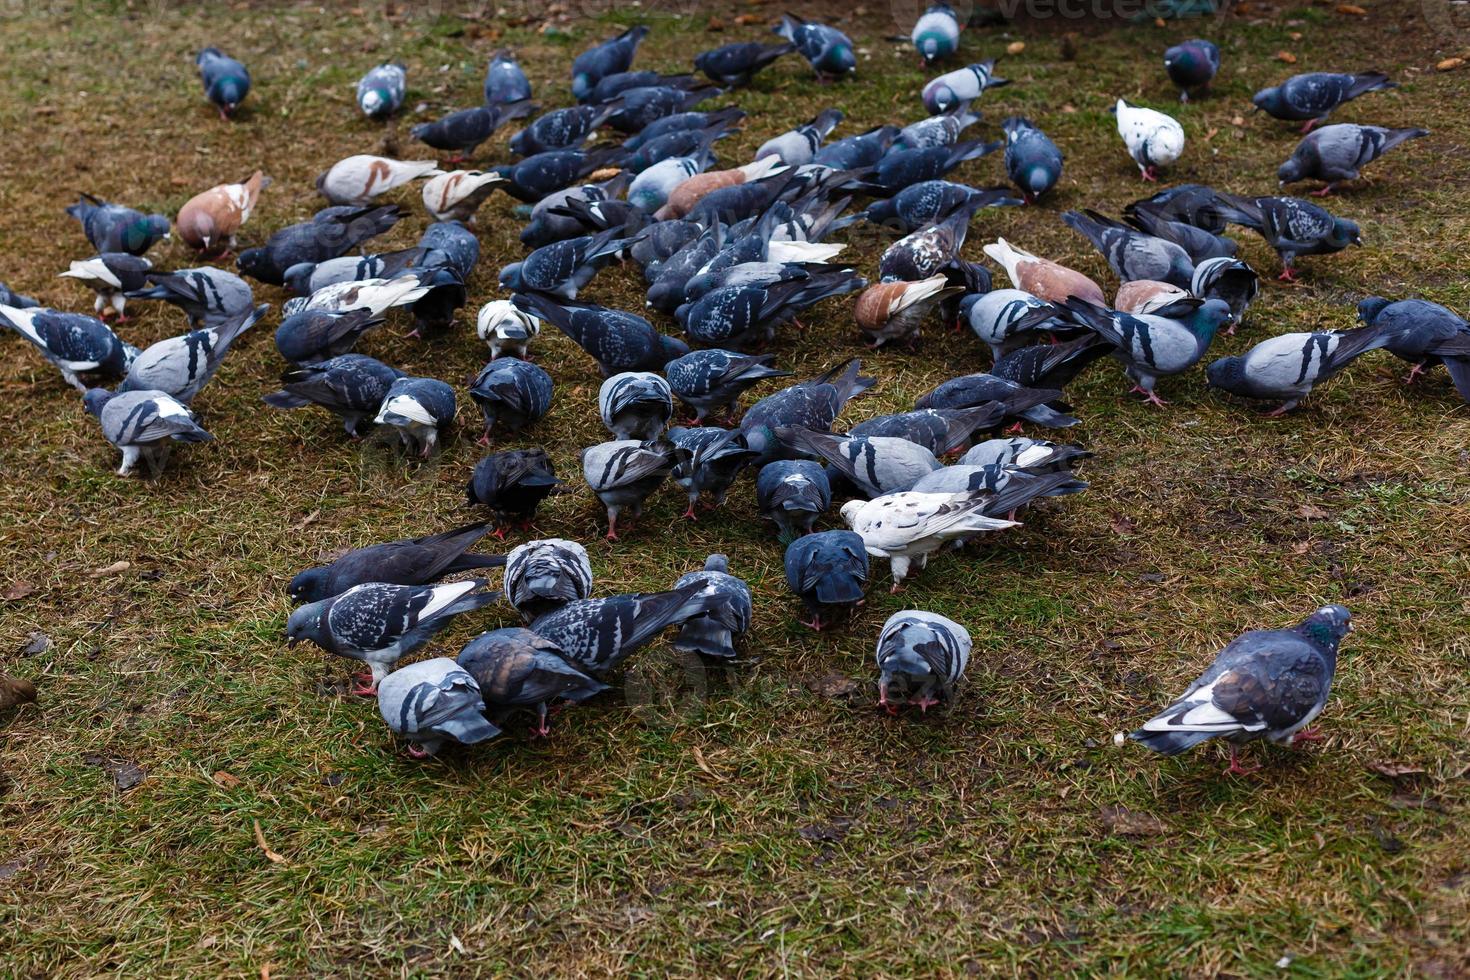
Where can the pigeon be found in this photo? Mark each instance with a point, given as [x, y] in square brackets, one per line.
[971, 390]
[1040, 277]
[598, 634]
[331, 232]
[358, 179]
[180, 366]
[829, 572]
[993, 317]
[351, 386]
[512, 485]
[542, 174]
[562, 268]
[857, 152]
[464, 131]
[1033, 162]
[812, 404]
[1191, 204]
[941, 130]
[1051, 366]
[1192, 65]
[923, 253]
[608, 58]
[826, 49]
[796, 147]
[542, 576]
[550, 220]
[685, 197]
[995, 478]
[759, 274]
[1336, 153]
[744, 316]
[432, 702]
[1227, 279]
[635, 405]
[1152, 138]
[1147, 295]
[505, 82]
[306, 278]
[380, 91]
[143, 424]
[9, 297]
[375, 296]
[506, 329]
[611, 86]
[1424, 334]
[931, 201]
[78, 345]
[226, 81]
[692, 144]
[512, 393]
[1200, 245]
[921, 657]
[379, 622]
[112, 275]
[1263, 684]
[618, 341]
[907, 527]
[1032, 455]
[704, 634]
[650, 190]
[624, 473]
[1151, 345]
[1288, 366]
[116, 228]
[960, 86]
[451, 245]
[946, 430]
[561, 129]
[419, 408]
[894, 311]
[412, 561]
[1132, 254]
[936, 33]
[516, 668]
[1291, 226]
[715, 458]
[736, 64]
[1313, 96]
[793, 493]
[445, 293]
[209, 220]
[875, 465]
[711, 381]
[904, 168]
[681, 122]
[313, 336]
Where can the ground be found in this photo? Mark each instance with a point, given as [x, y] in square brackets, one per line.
[190, 797]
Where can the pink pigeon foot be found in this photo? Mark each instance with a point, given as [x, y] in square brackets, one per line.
[1235, 768]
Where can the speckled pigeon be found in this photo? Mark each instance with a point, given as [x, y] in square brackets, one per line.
[463, 131]
[1291, 226]
[351, 386]
[331, 232]
[711, 381]
[826, 49]
[380, 91]
[544, 575]
[1314, 95]
[715, 458]
[618, 341]
[598, 634]
[928, 201]
[562, 268]
[77, 344]
[516, 668]
[941, 130]
[512, 393]
[907, 527]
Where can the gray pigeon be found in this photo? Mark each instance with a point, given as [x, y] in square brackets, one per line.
[976, 389]
[1192, 64]
[705, 634]
[1228, 279]
[77, 345]
[793, 493]
[921, 657]
[116, 228]
[713, 380]
[623, 473]
[331, 232]
[351, 386]
[1200, 244]
[1264, 684]
[544, 575]
[1336, 153]
[1033, 162]
[1032, 455]
[380, 91]
[598, 634]
[826, 49]
[562, 268]
[112, 275]
[209, 296]
[875, 465]
[1424, 334]
[511, 392]
[829, 572]
[993, 317]
[1314, 95]
[1131, 254]
[431, 702]
[142, 424]
[945, 430]
[180, 366]
[516, 668]
[716, 457]
[635, 405]
[226, 80]
[907, 527]
[618, 341]
[413, 561]
[1288, 366]
[941, 130]
[1291, 226]
[377, 623]
[796, 147]
[1151, 345]
[419, 408]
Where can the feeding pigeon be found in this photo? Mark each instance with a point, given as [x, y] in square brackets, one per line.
[1032, 455]
[929, 201]
[358, 179]
[685, 197]
[1424, 334]
[793, 493]
[1151, 345]
[598, 634]
[936, 33]
[308, 277]
[116, 228]
[376, 296]
[1051, 366]
[312, 336]
[683, 121]
[903, 168]
[1288, 366]
[907, 527]
[1132, 254]
[875, 465]
[941, 130]
[143, 424]
[611, 86]
[921, 657]
[331, 232]
[1227, 279]
[1040, 277]
[516, 668]
[351, 386]
[715, 458]
[947, 430]
[796, 147]
[1336, 153]
[180, 366]
[380, 91]
[696, 145]
[1200, 245]
[635, 405]
[710, 381]
[112, 275]
[758, 274]
[562, 268]
[829, 572]
[736, 64]
[618, 341]
[1033, 162]
[812, 404]
[923, 253]
[506, 329]
[826, 49]
[432, 702]
[412, 561]
[551, 218]
[1192, 204]
[457, 195]
[450, 244]
[226, 81]
[76, 344]
[624, 473]
[445, 293]
[704, 634]
[608, 58]
[743, 316]
[544, 173]
[889, 311]
[995, 478]
[1153, 139]
[561, 129]
[1192, 64]
[1264, 684]
[511, 392]
[505, 82]
[993, 316]
[1313, 96]
[960, 86]
[971, 390]
[1291, 226]
[419, 408]
[512, 485]
[464, 131]
[544, 575]
[378, 622]
[650, 190]
[860, 151]
[209, 220]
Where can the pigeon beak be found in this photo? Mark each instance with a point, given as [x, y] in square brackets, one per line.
[1357, 239]
[291, 641]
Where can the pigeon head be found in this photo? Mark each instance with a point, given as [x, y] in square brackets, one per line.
[298, 278]
[717, 563]
[672, 347]
[304, 624]
[839, 59]
[510, 276]
[1227, 374]
[256, 263]
[228, 92]
[1327, 626]
[1209, 318]
[938, 96]
[850, 510]
[373, 100]
[1269, 100]
[1345, 233]
[96, 399]
[1294, 168]
[1369, 308]
[308, 586]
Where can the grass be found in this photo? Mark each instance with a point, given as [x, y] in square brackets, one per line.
[762, 819]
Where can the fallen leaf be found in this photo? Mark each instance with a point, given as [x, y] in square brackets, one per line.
[1301, 547]
[1295, 35]
[1311, 512]
[1068, 108]
[833, 831]
[745, 20]
[1211, 134]
[1015, 47]
[456, 945]
[1160, 22]
[1352, 10]
[265, 971]
[18, 590]
[1121, 820]
[1394, 770]
[832, 685]
[1449, 64]
[1286, 56]
[715, 24]
[126, 775]
[224, 780]
[113, 569]
[270, 856]
[606, 173]
[309, 519]
[36, 644]
[1237, 120]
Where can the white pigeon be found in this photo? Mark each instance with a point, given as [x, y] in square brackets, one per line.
[360, 294]
[359, 179]
[457, 195]
[508, 329]
[906, 528]
[1153, 139]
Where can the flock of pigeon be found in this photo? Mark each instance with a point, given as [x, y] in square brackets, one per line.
[731, 255]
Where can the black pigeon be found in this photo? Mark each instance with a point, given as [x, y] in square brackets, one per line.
[562, 268]
[745, 316]
[512, 393]
[829, 572]
[1033, 162]
[736, 64]
[903, 168]
[608, 58]
[598, 634]
[813, 404]
[512, 485]
[710, 381]
[1051, 366]
[116, 228]
[331, 232]
[465, 130]
[516, 668]
[618, 341]
[351, 386]
[412, 561]
[560, 129]
[312, 336]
